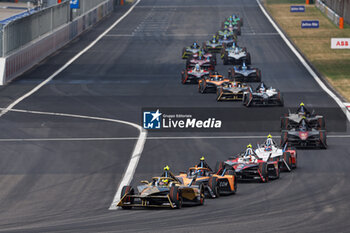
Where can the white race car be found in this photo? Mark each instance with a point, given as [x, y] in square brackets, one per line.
[263, 96]
[269, 151]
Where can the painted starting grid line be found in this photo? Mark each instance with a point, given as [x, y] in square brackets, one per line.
[148, 138]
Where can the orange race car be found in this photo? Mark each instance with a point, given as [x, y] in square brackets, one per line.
[210, 84]
[214, 184]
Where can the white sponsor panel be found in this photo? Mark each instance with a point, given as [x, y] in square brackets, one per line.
[340, 43]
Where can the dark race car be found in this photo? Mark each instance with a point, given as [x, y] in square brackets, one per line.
[248, 166]
[231, 91]
[304, 136]
[226, 40]
[245, 73]
[263, 96]
[188, 51]
[210, 84]
[292, 120]
[215, 184]
[213, 45]
[164, 191]
[193, 75]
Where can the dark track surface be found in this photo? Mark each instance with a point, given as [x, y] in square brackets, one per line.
[67, 186]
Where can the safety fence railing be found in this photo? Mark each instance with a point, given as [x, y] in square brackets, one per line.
[28, 53]
[334, 17]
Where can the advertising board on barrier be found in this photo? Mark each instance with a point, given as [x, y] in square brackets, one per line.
[340, 43]
[310, 24]
[74, 4]
[297, 8]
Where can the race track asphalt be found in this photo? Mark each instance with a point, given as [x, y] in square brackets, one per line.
[67, 184]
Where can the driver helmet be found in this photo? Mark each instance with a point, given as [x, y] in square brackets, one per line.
[197, 67]
[163, 182]
[302, 109]
[225, 36]
[249, 150]
[233, 45]
[269, 141]
[195, 45]
[244, 67]
[236, 50]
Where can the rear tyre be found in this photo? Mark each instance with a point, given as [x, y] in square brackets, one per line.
[202, 194]
[249, 60]
[321, 124]
[264, 172]
[212, 183]
[284, 138]
[323, 140]
[288, 160]
[127, 190]
[175, 196]
[201, 87]
[219, 166]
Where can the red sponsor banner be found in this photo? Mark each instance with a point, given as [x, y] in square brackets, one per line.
[340, 43]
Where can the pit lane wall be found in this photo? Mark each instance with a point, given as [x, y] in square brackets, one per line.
[26, 57]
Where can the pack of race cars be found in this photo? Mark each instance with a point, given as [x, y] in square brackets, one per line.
[299, 129]
[201, 181]
[201, 63]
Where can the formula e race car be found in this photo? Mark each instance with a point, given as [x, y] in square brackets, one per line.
[270, 151]
[205, 54]
[263, 96]
[248, 166]
[235, 19]
[244, 73]
[163, 191]
[187, 51]
[206, 85]
[213, 45]
[231, 91]
[194, 74]
[205, 63]
[227, 40]
[214, 184]
[232, 27]
[304, 136]
[235, 55]
[292, 120]
[226, 32]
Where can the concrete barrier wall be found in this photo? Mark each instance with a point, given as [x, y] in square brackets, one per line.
[30, 55]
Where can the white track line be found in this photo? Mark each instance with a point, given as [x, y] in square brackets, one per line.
[135, 157]
[148, 138]
[302, 60]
